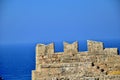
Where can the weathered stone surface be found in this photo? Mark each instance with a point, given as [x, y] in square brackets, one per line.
[111, 51]
[98, 63]
[94, 46]
[71, 48]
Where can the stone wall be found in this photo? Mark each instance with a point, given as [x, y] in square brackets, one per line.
[94, 64]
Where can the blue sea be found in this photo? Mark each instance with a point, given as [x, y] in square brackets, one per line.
[18, 60]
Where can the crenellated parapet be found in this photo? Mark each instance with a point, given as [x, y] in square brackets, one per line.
[94, 47]
[98, 47]
[76, 65]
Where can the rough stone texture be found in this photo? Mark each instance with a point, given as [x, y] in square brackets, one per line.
[98, 63]
[94, 46]
[112, 51]
[71, 48]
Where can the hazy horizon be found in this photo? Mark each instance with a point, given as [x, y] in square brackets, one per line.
[27, 21]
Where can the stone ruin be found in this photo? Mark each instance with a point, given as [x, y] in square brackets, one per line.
[98, 63]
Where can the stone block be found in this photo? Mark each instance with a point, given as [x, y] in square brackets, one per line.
[94, 46]
[71, 48]
[111, 51]
[50, 48]
[42, 49]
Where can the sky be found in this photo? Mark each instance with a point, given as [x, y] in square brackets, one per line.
[32, 21]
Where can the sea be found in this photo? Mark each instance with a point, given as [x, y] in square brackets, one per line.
[18, 60]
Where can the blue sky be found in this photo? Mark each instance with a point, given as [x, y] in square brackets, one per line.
[31, 21]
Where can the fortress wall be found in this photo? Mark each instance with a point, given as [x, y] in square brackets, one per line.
[63, 68]
[87, 58]
[50, 64]
[45, 53]
[94, 46]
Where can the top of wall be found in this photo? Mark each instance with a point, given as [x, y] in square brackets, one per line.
[93, 47]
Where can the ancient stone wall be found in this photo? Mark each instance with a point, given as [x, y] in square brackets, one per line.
[98, 63]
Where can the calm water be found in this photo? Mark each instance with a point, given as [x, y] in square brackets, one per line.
[17, 61]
